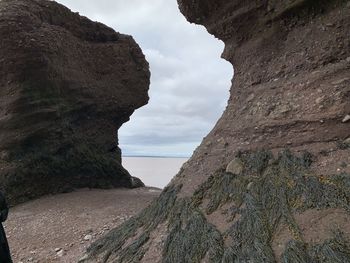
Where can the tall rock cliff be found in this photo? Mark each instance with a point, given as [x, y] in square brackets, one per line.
[66, 86]
[271, 182]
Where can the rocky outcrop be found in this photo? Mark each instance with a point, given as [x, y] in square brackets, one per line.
[271, 181]
[67, 85]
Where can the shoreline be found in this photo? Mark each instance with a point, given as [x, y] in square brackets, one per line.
[158, 157]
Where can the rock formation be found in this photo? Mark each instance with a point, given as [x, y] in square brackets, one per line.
[271, 182]
[67, 85]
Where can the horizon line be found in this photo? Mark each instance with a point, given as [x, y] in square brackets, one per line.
[153, 156]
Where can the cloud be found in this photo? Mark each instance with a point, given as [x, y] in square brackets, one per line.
[189, 83]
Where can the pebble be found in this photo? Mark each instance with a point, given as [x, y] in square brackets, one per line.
[60, 253]
[250, 185]
[340, 81]
[235, 166]
[346, 118]
[319, 100]
[87, 237]
[83, 258]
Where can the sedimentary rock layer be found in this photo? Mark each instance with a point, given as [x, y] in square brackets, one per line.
[67, 84]
[271, 181]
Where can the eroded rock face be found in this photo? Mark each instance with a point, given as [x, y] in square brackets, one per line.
[284, 124]
[67, 85]
[291, 83]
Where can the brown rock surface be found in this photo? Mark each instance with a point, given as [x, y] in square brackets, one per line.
[291, 90]
[285, 57]
[67, 85]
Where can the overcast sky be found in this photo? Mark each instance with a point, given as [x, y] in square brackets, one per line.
[189, 84]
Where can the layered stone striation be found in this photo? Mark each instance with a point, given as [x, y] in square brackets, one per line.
[67, 85]
[291, 83]
[271, 181]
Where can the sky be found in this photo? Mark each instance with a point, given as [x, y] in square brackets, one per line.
[189, 83]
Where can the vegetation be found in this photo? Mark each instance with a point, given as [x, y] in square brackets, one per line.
[265, 195]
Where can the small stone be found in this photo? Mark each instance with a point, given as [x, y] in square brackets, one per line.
[60, 253]
[136, 182]
[207, 144]
[57, 249]
[249, 186]
[235, 166]
[319, 100]
[85, 257]
[284, 109]
[220, 140]
[346, 118]
[348, 58]
[347, 141]
[87, 237]
[339, 81]
[251, 97]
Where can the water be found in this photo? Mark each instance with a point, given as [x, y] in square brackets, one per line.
[153, 171]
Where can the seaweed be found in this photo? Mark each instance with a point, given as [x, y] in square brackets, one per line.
[147, 221]
[191, 237]
[295, 252]
[265, 195]
[334, 250]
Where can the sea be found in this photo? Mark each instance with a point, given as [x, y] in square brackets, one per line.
[153, 171]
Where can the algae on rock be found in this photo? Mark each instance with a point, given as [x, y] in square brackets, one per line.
[279, 189]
